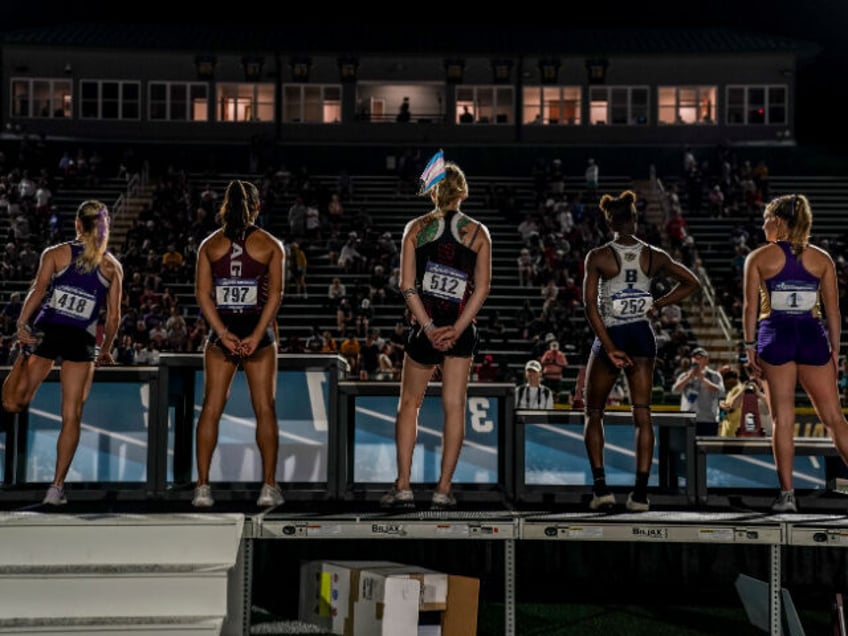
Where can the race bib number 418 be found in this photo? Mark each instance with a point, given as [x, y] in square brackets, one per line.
[73, 302]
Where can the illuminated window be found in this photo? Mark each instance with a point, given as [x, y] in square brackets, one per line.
[757, 105]
[486, 104]
[618, 105]
[686, 105]
[245, 102]
[41, 98]
[178, 101]
[312, 104]
[552, 105]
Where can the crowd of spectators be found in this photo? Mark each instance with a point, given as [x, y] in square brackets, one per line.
[322, 222]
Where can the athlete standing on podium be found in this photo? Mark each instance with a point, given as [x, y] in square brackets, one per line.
[786, 285]
[446, 272]
[239, 287]
[75, 280]
[617, 295]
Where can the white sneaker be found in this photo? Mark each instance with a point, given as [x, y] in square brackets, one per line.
[602, 502]
[637, 506]
[55, 496]
[443, 501]
[398, 498]
[203, 497]
[270, 496]
[785, 502]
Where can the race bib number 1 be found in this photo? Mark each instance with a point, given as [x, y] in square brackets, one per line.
[794, 300]
[236, 293]
[444, 282]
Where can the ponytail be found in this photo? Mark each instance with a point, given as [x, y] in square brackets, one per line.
[94, 233]
[239, 209]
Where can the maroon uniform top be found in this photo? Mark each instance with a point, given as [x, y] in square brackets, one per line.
[241, 282]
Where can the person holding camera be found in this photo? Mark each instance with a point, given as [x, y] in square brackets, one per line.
[553, 363]
[701, 388]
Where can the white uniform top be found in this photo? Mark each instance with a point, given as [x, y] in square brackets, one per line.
[626, 297]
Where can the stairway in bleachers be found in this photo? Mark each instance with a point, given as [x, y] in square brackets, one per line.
[828, 197]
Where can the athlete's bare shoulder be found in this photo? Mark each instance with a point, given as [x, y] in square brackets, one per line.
[211, 240]
[111, 265]
[266, 238]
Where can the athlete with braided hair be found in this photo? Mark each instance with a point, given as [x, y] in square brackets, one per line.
[617, 295]
[75, 280]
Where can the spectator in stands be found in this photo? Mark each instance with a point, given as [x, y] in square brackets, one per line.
[146, 355]
[532, 394]
[700, 389]
[336, 292]
[74, 281]
[446, 270]
[328, 343]
[616, 290]
[553, 362]
[239, 287]
[592, 177]
[350, 349]
[386, 371]
[125, 352]
[487, 370]
[198, 334]
[298, 263]
[526, 268]
[10, 312]
[787, 284]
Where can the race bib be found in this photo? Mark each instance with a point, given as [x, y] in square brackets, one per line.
[794, 297]
[236, 293]
[73, 302]
[444, 282]
[631, 305]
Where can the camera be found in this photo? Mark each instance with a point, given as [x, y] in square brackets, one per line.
[695, 366]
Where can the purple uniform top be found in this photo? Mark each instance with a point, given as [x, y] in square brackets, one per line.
[74, 298]
[791, 329]
[241, 282]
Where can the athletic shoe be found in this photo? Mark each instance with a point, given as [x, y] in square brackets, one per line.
[203, 497]
[602, 502]
[443, 501]
[785, 502]
[637, 506]
[397, 498]
[270, 496]
[55, 496]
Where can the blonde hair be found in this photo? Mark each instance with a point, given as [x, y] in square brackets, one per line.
[620, 209]
[796, 212]
[94, 233]
[451, 187]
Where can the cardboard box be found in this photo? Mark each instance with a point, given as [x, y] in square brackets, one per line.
[325, 591]
[382, 598]
[383, 604]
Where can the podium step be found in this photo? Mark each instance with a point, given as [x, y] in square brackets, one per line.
[32, 539]
[112, 626]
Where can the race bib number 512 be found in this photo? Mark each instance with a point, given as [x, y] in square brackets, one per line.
[444, 282]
